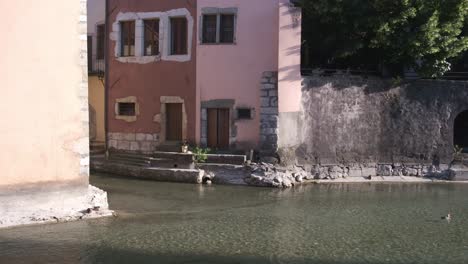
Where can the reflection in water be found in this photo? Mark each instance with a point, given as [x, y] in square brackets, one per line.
[323, 223]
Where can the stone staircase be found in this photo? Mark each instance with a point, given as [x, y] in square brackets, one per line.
[165, 166]
[97, 147]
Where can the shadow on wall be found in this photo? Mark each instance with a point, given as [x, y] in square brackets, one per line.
[352, 119]
[291, 72]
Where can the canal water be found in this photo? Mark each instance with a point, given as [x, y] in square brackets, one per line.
[324, 223]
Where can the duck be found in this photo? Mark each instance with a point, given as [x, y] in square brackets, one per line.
[447, 217]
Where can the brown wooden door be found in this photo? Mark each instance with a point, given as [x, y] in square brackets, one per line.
[218, 128]
[173, 122]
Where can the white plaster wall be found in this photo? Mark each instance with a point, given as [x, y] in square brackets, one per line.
[44, 124]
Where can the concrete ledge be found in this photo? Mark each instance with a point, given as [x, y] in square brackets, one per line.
[226, 159]
[155, 174]
[53, 206]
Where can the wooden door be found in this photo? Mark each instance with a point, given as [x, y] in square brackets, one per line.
[174, 122]
[218, 128]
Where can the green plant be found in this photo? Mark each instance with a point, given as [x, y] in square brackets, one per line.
[201, 154]
[397, 81]
[457, 150]
[425, 35]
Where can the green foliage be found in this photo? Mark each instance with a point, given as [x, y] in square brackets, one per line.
[457, 150]
[421, 34]
[201, 154]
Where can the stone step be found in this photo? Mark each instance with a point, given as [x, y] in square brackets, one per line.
[174, 147]
[226, 159]
[131, 156]
[97, 151]
[156, 174]
[97, 144]
[175, 156]
[127, 161]
[461, 174]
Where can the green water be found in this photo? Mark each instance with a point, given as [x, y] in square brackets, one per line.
[183, 223]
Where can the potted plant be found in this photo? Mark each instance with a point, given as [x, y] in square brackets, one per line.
[184, 147]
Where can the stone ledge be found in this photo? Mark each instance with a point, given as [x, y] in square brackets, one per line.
[53, 207]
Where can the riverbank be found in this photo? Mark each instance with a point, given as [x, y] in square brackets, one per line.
[270, 175]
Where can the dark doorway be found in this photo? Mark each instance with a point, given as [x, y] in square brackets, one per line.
[218, 128]
[460, 135]
[174, 122]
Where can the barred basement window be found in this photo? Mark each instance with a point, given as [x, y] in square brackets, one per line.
[244, 113]
[126, 109]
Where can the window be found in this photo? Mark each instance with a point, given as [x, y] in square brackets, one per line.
[127, 47]
[209, 28]
[90, 53]
[151, 37]
[126, 109]
[100, 42]
[222, 33]
[244, 113]
[178, 36]
[227, 29]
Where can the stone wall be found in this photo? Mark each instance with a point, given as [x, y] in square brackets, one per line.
[368, 125]
[269, 113]
[135, 142]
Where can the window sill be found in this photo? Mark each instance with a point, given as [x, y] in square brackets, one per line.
[139, 59]
[218, 44]
[127, 119]
[178, 58]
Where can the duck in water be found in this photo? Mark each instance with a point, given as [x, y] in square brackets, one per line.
[448, 217]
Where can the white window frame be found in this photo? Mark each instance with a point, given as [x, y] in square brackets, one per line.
[164, 36]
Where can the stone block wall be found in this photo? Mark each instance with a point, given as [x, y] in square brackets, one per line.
[352, 121]
[135, 142]
[269, 113]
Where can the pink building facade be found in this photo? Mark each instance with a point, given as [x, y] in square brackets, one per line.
[239, 73]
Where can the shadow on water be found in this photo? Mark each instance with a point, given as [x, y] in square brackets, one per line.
[76, 253]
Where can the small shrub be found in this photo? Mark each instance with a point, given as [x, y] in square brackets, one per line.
[201, 154]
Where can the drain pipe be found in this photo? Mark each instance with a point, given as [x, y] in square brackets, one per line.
[106, 77]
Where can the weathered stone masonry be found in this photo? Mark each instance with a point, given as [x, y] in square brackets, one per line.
[269, 113]
[359, 126]
[135, 142]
